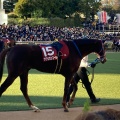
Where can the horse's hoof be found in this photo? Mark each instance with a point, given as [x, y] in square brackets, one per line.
[35, 109]
[66, 110]
[68, 104]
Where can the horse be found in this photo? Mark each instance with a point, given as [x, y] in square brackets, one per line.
[62, 57]
[1, 45]
[108, 114]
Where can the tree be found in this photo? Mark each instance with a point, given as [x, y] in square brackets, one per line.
[57, 8]
[24, 8]
[69, 7]
[111, 7]
[89, 8]
[114, 4]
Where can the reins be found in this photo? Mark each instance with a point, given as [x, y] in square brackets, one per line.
[92, 78]
[100, 53]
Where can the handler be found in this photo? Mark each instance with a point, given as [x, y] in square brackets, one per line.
[82, 74]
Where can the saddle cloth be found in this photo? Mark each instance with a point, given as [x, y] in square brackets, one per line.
[54, 50]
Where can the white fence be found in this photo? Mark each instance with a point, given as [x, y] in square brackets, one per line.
[34, 42]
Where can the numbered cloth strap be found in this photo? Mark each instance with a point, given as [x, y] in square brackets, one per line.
[50, 51]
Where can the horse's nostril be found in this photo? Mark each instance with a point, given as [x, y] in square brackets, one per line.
[104, 61]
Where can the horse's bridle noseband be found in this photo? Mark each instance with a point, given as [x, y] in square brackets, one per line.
[102, 57]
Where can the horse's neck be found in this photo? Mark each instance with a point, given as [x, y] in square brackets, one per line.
[83, 47]
[86, 53]
[86, 50]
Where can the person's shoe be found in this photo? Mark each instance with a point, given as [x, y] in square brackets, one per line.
[96, 100]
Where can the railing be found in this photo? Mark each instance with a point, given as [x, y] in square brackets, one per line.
[112, 28]
[106, 28]
[33, 42]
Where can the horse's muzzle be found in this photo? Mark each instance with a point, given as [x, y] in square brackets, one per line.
[103, 60]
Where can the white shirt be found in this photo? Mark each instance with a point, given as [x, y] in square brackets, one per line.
[119, 42]
[84, 62]
[118, 18]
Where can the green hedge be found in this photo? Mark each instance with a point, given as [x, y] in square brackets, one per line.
[59, 22]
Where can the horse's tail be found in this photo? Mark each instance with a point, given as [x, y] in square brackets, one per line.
[2, 59]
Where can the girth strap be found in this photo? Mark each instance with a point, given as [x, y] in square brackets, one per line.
[59, 63]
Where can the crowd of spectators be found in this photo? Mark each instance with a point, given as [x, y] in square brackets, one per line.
[51, 33]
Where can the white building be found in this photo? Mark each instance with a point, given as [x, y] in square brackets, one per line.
[3, 16]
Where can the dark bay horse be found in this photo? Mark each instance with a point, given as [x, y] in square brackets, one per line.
[1, 45]
[21, 58]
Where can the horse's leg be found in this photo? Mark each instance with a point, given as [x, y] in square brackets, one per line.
[66, 88]
[23, 87]
[66, 85]
[9, 80]
[75, 88]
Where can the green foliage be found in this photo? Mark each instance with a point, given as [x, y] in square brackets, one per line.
[89, 7]
[12, 15]
[55, 8]
[37, 14]
[24, 8]
[86, 107]
[13, 21]
[59, 22]
[77, 20]
[58, 8]
[30, 21]
[39, 21]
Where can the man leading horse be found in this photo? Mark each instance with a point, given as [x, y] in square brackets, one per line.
[82, 75]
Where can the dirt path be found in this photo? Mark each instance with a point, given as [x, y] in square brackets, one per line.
[51, 114]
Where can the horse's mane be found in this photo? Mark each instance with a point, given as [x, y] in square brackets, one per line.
[87, 41]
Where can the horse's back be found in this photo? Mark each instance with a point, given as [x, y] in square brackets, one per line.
[30, 57]
[24, 50]
[24, 53]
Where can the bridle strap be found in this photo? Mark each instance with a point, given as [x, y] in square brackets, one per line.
[92, 76]
[101, 51]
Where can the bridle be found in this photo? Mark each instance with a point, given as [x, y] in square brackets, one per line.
[102, 56]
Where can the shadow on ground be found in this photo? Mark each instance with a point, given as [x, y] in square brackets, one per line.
[18, 103]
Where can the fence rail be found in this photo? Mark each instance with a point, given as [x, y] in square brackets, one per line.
[106, 27]
[33, 42]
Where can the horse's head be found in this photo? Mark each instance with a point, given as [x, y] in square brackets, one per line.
[101, 52]
[87, 46]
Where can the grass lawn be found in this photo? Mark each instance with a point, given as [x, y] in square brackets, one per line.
[46, 90]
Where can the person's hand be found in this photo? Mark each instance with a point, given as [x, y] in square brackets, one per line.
[92, 65]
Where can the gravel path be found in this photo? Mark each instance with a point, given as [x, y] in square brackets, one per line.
[51, 114]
